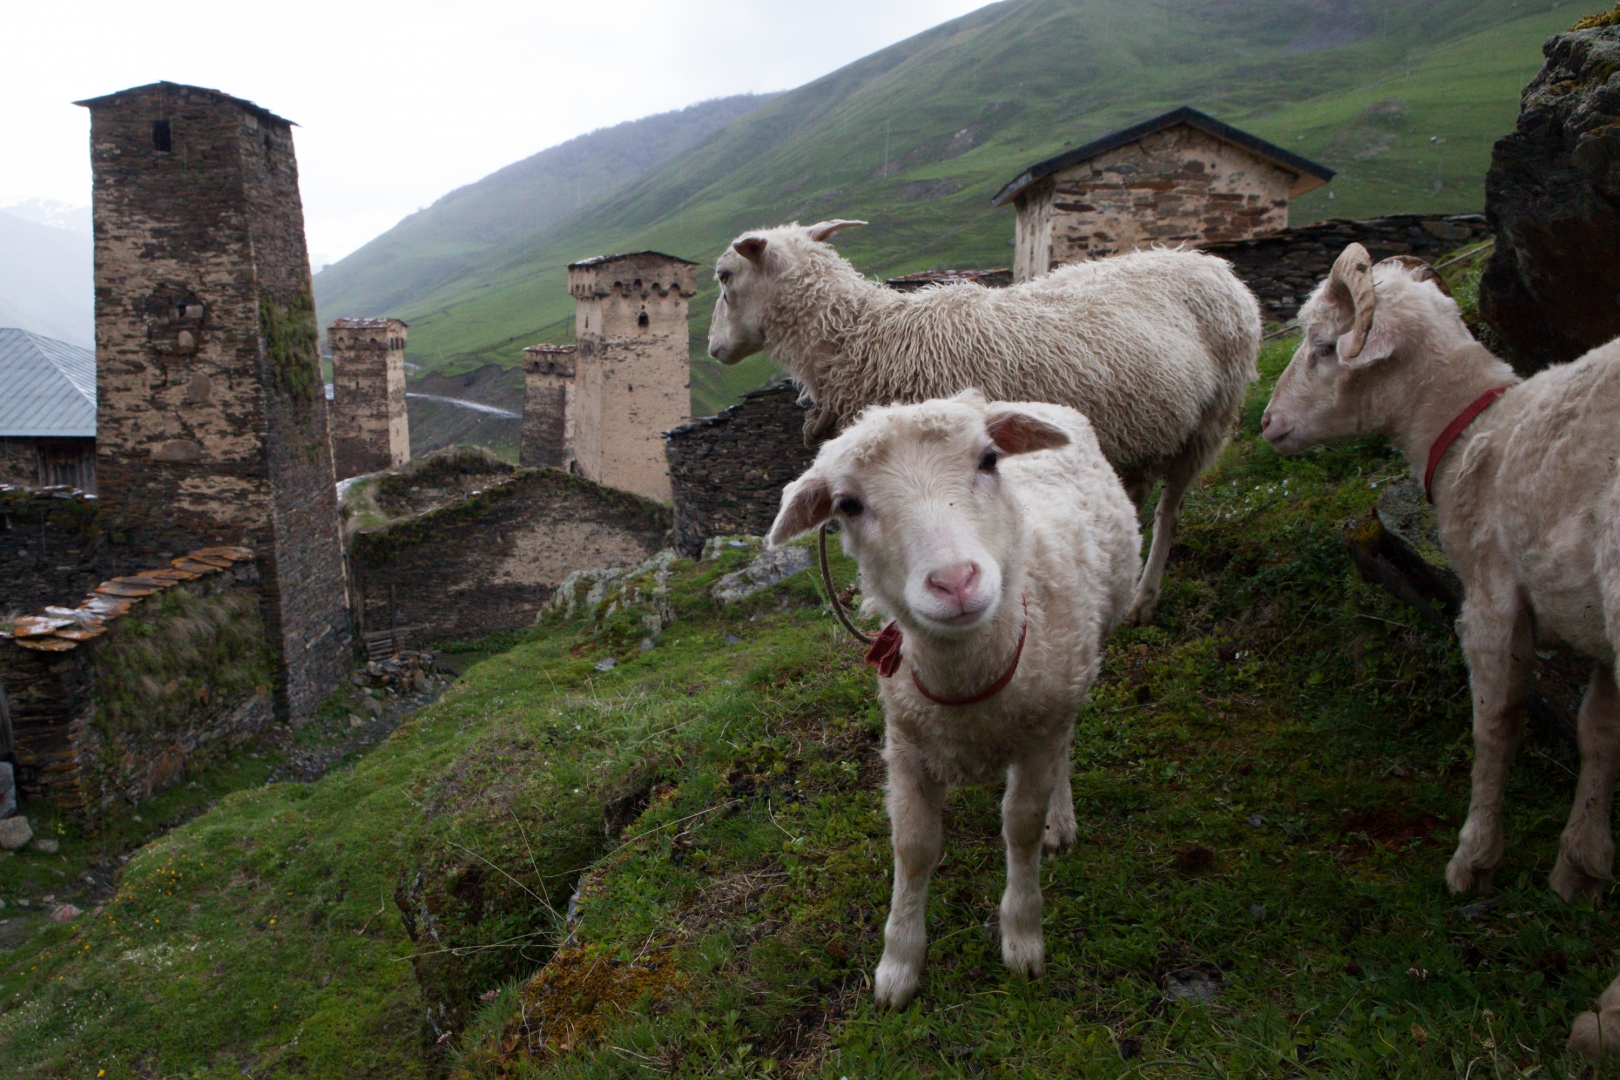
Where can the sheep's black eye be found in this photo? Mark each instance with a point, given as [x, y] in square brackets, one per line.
[850, 506]
[988, 462]
[724, 276]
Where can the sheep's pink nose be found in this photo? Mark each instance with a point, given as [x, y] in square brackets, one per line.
[955, 582]
[1265, 420]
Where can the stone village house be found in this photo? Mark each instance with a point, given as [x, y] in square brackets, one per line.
[1183, 177]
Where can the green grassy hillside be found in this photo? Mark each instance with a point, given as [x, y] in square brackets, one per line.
[1268, 783]
[916, 138]
[457, 233]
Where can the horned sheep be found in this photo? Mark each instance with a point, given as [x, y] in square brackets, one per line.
[1156, 348]
[1525, 477]
[1004, 548]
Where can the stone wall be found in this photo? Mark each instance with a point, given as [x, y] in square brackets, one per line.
[211, 423]
[370, 427]
[1283, 268]
[1172, 186]
[548, 407]
[52, 548]
[151, 675]
[1552, 194]
[632, 364]
[490, 562]
[728, 471]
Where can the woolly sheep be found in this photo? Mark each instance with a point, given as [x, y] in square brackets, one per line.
[1155, 348]
[1528, 497]
[1004, 548]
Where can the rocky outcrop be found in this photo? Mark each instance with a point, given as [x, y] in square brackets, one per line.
[1552, 196]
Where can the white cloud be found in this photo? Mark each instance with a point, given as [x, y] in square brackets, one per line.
[399, 103]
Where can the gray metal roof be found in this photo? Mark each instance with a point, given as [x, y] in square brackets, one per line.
[47, 387]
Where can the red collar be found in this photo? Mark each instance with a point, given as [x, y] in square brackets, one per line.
[1453, 429]
[885, 656]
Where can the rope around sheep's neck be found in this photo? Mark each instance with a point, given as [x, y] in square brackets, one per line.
[832, 594]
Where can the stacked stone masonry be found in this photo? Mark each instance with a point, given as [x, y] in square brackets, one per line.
[1172, 186]
[211, 422]
[370, 429]
[491, 561]
[632, 373]
[548, 407]
[728, 471]
[90, 736]
[1283, 268]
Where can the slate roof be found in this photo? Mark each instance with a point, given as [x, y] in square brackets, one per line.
[47, 387]
[1310, 173]
[601, 260]
[117, 98]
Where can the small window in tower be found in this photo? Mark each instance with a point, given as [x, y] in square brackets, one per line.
[641, 320]
[161, 138]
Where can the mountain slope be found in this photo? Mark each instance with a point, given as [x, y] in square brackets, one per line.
[47, 280]
[435, 244]
[916, 138]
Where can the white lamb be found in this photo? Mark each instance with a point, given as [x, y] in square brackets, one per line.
[1005, 549]
[1155, 348]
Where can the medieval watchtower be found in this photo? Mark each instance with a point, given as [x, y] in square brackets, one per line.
[632, 366]
[211, 421]
[370, 429]
[548, 405]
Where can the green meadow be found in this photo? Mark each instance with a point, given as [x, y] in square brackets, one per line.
[679, 866]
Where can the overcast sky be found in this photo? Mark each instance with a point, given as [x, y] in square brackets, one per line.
[399, 103]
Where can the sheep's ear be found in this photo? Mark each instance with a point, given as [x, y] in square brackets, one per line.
[751, 248]
[806, 503]
[823, 229]
[1020, 433]
[1381, 344]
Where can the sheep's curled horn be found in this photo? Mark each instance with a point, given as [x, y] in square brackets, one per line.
[823, 229]
[1352, 271]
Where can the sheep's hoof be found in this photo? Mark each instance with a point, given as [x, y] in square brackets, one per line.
[1024, 956]
[1141, 611]
[1595, 1034]
[1569, 881]
[1058, 838]
[895, 984]
[1463, 878]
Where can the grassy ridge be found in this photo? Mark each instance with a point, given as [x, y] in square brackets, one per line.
[917, 137]
[1268, 783]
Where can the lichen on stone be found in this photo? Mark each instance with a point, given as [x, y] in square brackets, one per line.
[1599, 20]
[291, 344]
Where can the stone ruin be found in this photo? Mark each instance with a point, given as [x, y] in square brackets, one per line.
[211, 424]
[599, 407]
[548, 407]
[369, 424]
[211, 559]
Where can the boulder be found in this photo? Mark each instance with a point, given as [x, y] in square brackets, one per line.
[771, 567]
[1552, 198]
[15, 832]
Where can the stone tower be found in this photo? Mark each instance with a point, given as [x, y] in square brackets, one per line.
[631, 366]
[211, 418]
[370, 430]
[548, 404]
